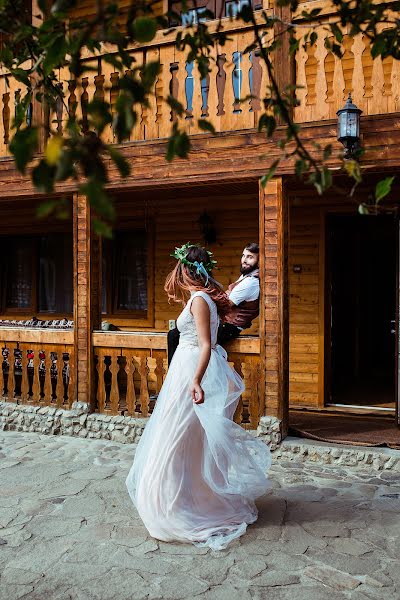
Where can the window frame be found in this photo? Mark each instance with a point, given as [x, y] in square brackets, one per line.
[121, 317]
[33, 310]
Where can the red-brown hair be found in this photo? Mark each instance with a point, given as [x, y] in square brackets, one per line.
[184, 279]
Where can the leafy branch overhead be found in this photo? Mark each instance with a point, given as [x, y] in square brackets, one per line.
[48, 53]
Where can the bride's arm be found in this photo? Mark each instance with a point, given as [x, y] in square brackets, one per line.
[201, 313]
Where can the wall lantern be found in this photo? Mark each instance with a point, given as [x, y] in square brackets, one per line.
[349, 128]
[207, 228]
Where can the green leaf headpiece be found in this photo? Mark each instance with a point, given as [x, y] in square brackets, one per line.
[181, 254]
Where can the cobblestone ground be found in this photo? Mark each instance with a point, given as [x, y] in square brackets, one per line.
[69, 532]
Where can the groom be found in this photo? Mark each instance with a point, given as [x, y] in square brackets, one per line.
[244, 295]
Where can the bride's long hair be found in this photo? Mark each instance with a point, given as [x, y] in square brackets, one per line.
[184, 279]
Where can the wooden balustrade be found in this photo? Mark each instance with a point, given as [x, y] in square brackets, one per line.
[233, 75]
[37, 367]
[326, 80]
[131, 368]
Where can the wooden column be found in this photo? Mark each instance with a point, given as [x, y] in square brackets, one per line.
[274, 314]
[87, 298]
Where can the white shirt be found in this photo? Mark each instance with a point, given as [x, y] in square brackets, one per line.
[248, 289]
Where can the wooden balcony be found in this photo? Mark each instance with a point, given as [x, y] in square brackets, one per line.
[37, 367]
[131, 368]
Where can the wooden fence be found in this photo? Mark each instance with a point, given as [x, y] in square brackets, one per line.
[37, 367]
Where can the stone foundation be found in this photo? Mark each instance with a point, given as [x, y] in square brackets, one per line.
[75, 422]
[78, 422]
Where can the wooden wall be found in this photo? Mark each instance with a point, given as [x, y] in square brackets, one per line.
[306, 290]
[174, 217]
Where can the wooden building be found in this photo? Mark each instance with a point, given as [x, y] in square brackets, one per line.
[329, 276]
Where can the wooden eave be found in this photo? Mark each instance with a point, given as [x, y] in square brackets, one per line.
[226, 157]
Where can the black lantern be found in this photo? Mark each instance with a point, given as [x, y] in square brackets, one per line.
[349, 128]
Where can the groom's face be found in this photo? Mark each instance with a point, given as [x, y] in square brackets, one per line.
[249, 262]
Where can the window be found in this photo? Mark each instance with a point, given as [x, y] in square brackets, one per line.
[36, 274]
[125, 275]
[219, 8]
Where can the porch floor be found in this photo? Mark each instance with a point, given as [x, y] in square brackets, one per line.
[356, 430]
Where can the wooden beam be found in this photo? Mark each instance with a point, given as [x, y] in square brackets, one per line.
[87, 298]
[274, 317]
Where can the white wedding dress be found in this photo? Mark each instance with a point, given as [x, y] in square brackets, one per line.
[196, 473]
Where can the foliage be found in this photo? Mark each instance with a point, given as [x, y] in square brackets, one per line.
[38, 49]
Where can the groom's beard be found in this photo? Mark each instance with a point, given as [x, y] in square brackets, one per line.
[245, 270]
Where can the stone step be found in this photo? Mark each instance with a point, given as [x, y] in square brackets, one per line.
[294, 449]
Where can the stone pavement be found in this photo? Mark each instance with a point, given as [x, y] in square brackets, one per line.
[68, 531]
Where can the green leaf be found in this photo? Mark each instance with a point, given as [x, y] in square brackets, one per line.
[43, 176]
[178, 145]
[98, 198]
[120, 161]
[144, 29]
[363, 209]
[23, 146]
[267, 122]
[383, 188]
[206, 125]
[271, 172]
[101, 228]
[175, 105]
[46, 208]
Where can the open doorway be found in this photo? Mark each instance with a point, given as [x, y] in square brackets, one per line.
[361, 308]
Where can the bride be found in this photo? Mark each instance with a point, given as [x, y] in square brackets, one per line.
[196, 473]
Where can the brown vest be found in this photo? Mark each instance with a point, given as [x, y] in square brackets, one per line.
[244, 313]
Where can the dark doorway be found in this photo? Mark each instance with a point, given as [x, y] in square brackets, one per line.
[362, 286]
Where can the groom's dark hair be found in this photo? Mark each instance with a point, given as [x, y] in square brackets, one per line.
[253, 248]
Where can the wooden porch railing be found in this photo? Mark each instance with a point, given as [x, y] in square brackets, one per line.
[233, 75]
[37, 367]
[326, 80]
[131, 367]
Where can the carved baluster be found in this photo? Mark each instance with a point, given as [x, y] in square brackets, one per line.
[5, 371]
[72, 100]
[237, 80]
[60, 108]
[44, 374]
[152, 381]
[114, 393]
[130, 385]
[348, 65]
[221, 82]
[174, 87]
[33, 372]
[205, 88]
[84, 103]
[11, 377]
[310, 72]
[144, 392]
[138, 398]
[99, 88]
[255, 78]
[18, 372]
[367, 63]
[165, 368]
[27, 371]
[59, 385]
[189, 89]
[101, 386]
[65, 377]
[114, 92]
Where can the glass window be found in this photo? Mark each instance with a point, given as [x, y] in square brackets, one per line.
[19, 273]
[56, 290]
[124, 274]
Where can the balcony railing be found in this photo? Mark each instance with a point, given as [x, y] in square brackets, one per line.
[37, 367]
[131, 368]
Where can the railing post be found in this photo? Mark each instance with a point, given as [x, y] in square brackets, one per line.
[274, 322]
[87, 298]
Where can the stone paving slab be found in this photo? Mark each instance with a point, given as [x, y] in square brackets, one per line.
[68, 531]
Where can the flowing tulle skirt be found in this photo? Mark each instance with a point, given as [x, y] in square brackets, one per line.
[196, 473]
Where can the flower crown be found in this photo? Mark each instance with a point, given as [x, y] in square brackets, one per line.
[201, 269]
